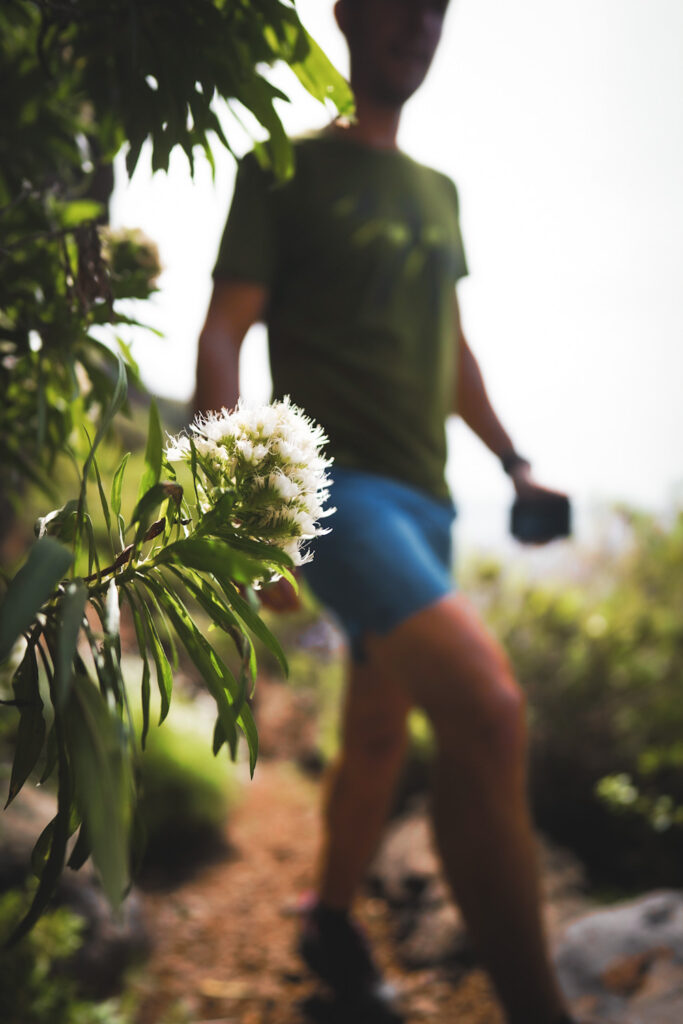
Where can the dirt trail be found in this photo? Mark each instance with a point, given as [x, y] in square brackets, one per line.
[224, 941]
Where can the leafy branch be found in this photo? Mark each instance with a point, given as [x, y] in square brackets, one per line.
[63, 625]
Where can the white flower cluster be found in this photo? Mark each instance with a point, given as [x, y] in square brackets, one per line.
[270, 455]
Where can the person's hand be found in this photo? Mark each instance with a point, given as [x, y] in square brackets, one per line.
[526, 487]
[280, 596]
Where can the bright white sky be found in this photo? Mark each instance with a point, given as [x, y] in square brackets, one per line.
[562, 124]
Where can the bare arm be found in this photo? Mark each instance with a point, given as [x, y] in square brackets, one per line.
[234, 307]
[472, 402]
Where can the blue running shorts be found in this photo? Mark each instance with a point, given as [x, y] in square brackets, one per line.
[388, 554]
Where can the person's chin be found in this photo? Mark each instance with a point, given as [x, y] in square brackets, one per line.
[408, 78]
[398, 90]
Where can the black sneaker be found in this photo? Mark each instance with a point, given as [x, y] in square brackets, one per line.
[336, 950]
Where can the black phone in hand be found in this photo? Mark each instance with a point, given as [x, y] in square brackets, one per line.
[540, 519]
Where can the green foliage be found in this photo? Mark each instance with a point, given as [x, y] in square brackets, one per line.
[602, 664]
[34, 989]
[84, 79]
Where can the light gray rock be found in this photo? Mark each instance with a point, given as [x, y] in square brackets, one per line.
[625, 963]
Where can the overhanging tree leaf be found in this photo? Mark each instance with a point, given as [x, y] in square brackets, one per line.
[118, 397]
[214, 672]
[45, 566]
[153, 451]
[54, 862]
[163, 668]
[150, 502]
[99, 756]
[68, 627]
[142, 650]
[255, 624]
[206, 554]
[31, 730]
[117, 484]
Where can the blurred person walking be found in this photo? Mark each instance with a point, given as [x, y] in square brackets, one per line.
[352, 264]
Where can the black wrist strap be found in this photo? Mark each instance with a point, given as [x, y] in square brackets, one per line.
[511, 460]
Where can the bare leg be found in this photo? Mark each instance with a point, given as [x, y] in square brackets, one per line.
[452, 667]
[360, 785]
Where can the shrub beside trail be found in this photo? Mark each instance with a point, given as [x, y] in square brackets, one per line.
[602, 666]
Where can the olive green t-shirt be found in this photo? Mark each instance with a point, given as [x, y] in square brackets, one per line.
[360, 251]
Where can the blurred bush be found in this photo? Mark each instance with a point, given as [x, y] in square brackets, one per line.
[602, 665]
[35, 987]
[186, 792]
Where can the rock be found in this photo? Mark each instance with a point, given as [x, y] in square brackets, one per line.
[406, 873]
[430, 931]
[111, 941]
[406, 864]
[437, 937]
[625, 963]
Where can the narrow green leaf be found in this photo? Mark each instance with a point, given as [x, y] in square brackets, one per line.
[31, 731]
[35, 582]
[218, 737]
[126, 349]
[257, 94]
[213, 606]
[104, 654]
[211, 555]
[220, 615]
[319, 76]
[248, 727]
[150, 502]
[168, 632]
[210, 601]
[81, 850]
[269, 554]
[93, 557]
[254, 622]
[103, 502]
[41, 849]
[194, 460]
[40, 855]
[54, 864]
[163, 669]
[117, 399]
[215, 674]
[51, 756]
[71, 609]
[153, 451]
[142, 648]
[117, 484]
[100, 761]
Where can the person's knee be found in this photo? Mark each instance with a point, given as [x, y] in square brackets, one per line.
[492, 731]
[375, 745]
[504, 724]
